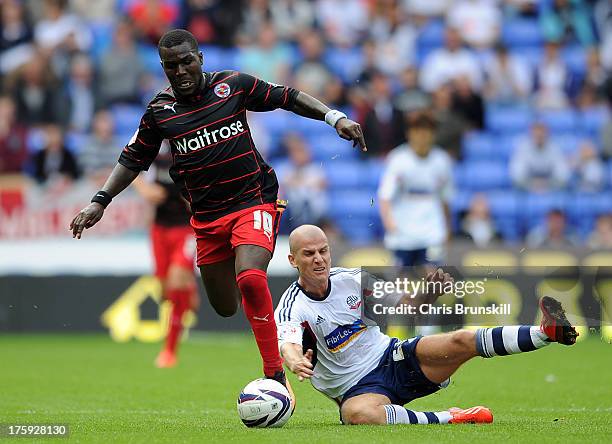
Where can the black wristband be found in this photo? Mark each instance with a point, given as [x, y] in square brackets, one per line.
[103, 198]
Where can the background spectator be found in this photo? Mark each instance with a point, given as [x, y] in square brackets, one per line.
[553, 233]
[477, 225]
[54, 161]
[100, 151]
[13, 136]
[268, 58]
[567, 21]
[383, 124]
[303, 184]
[479, 21]
[152, 18]
[508, 78]
[16, 36]
[537, 164]
[448, 63]
[589, 174]
[601, 237]
[551, 79]
[121, 60]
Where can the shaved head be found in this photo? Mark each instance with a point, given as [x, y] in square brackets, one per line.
[303, 235]
[310, 254]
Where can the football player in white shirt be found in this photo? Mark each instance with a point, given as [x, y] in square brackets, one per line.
[370, 375]
[414, 193]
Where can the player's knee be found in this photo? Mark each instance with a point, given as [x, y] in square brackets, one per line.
[225, 312]
[463, 340]
[357, 416]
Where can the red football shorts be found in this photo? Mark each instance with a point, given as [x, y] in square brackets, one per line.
[172, 246]
[217, 239]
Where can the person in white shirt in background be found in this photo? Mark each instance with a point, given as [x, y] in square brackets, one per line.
[537, 164]
[508, 78]
[478, 21]
[414, 193]
[449, 63]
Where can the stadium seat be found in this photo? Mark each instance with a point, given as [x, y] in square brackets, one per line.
[150, 58]
[504, 207]
[343, 175]
[345, 62]
[504, 120]
[521, 32]
[574, 57]
[329, 147]
[532, 55]
[355, 215]
[591, 120]
[482, 175]
[371, 173]
[219, 59]
[568, 142]
[536, 206]
[126, 118]
[479, 145]
[75, 142]
[432, 34]
[561, 121]
[102, 34]
[584, 208]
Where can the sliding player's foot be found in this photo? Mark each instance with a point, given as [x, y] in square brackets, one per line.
[165, 359]
[473, 415]
[554, 323]
[281, 377]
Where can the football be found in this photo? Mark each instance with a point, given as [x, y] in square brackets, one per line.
[264, 403]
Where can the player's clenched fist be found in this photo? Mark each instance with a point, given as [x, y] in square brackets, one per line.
[87, 218]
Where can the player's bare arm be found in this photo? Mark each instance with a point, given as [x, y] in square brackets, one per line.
[118, 181]
[307, 106]
[298, 362]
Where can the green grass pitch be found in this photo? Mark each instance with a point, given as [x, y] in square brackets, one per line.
[111, 393]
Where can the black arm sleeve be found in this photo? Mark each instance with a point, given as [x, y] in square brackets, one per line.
[144, 145]
[265, 96]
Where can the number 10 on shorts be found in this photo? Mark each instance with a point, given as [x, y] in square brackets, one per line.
[263, 220]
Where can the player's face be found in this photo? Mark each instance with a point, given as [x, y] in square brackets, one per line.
[313, 260]
[183, 67]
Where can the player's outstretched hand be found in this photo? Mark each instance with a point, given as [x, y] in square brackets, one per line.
[349, 130]
[443, 278]
[87, 218]
[303, 367]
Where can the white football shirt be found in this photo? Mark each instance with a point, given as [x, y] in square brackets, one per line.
[349, 344]
[417, 187]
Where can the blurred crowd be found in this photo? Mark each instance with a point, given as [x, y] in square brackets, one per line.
[505, 80]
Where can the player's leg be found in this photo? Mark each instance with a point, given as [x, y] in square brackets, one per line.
[374, 408]
[251, 265]
[179, 288]
[219, 280]
[441, 355]
[253, 238]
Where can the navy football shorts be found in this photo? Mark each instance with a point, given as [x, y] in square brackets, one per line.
[398, 375]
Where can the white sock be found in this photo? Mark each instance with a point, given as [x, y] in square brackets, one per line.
[396, 414]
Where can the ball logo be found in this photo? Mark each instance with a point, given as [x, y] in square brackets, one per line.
[353, 302]
[222, 90]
